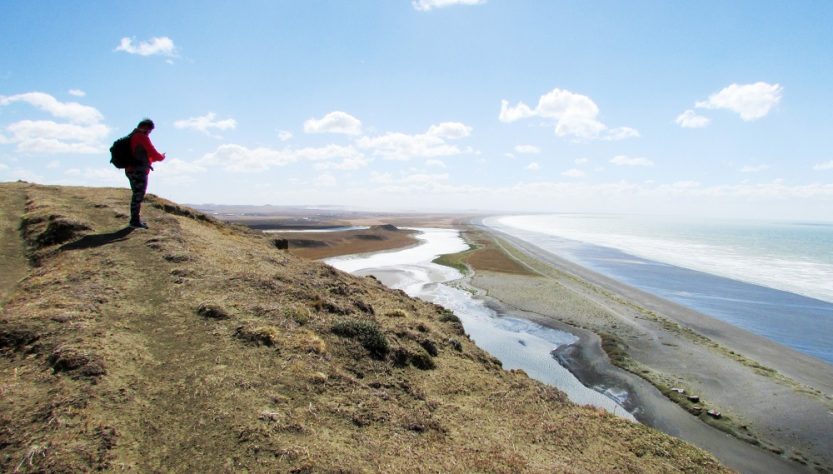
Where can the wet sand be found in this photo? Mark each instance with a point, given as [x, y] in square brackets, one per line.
[788, 409]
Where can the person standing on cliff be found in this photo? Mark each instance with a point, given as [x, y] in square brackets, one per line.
[144, 155]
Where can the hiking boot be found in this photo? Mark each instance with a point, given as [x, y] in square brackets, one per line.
[138, 225]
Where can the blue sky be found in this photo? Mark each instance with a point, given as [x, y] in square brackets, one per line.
[687, 108]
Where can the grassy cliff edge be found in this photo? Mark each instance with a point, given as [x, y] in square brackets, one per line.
[198, 346]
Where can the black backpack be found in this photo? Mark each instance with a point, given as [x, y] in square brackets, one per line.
[120, 153]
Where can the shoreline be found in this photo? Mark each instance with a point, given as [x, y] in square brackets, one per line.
[659, 338]
[589, 363]
[520, 344]
[649, 324]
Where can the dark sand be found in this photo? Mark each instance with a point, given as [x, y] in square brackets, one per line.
[790, 410]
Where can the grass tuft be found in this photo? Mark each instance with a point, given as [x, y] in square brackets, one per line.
[70, 359]
[258, 334]
[397, 313]
[299, 314]
[423, 361]
[311, 342]
[367, 333]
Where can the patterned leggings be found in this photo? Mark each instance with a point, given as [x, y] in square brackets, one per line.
[138, 184]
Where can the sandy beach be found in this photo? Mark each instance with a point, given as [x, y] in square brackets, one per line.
[777, 400]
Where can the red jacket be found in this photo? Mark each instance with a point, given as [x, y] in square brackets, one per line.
[141, 145]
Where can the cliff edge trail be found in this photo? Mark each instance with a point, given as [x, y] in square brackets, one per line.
[197, 346]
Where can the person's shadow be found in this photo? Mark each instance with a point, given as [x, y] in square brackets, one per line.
[97, 240]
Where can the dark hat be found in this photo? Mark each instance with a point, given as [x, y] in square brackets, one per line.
[146, 123]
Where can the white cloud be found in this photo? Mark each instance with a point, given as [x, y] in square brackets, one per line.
[450, 130]
[163, 46]
[77, 92]
[334, 122]
[623, 160]
[534, 166]
[408, 181]
[284, 135]
[527, 149]
[750, 101]
[46, 136]
[178, 172]
[401, 146]
[428, 192]
[754, 168]
[582, 161]
[82, 133]
[377, 177]
[176, 166]
[513, 114]
[690, 119]
[687, 184]
[352, 163]
[327, 152]
[325, 181]
[205, 123]
[436, 192]
[573, 173]
[426, 5]
[575, 115]
[54, 164]
[102, 175]
[238, 158]
[14, 174]
[823, 166]
[72, 111]
[437, 163]
[620, 133]
[105, 175]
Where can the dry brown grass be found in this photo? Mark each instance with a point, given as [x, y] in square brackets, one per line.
[319, 245]
[271, 387]
[485, 254]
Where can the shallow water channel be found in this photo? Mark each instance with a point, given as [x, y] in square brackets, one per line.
[517, 343]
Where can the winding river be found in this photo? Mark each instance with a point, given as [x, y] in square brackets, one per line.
[517, 343]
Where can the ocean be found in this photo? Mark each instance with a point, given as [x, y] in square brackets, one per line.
[774, 279]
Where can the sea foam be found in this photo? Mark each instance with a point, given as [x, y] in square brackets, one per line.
[791, 257]
[773, 279]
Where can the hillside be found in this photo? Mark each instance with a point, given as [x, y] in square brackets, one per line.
[197, 346]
